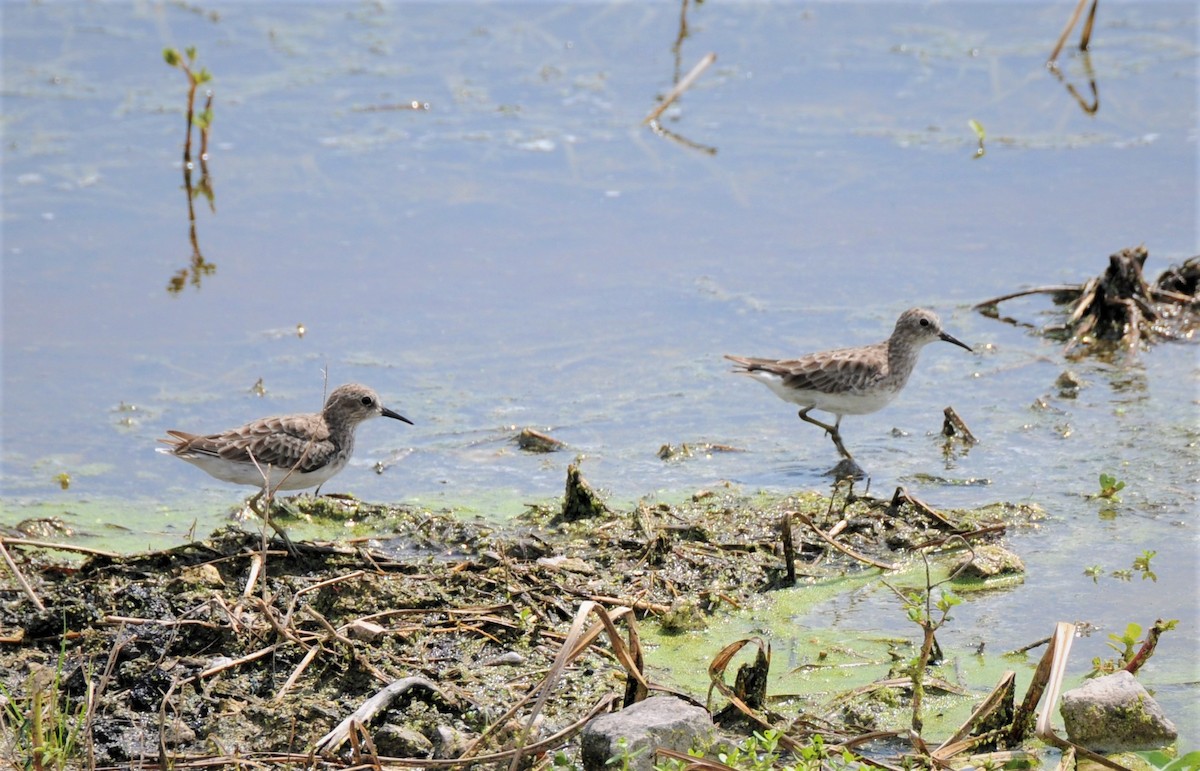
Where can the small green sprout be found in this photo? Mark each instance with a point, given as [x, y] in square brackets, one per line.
[196, 77]
[1124, 644]
[1141, 564]
[1109, 487]
[980, 134]
[1094, 572]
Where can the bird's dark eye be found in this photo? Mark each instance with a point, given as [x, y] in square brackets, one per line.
[367, 401]
[924, 322]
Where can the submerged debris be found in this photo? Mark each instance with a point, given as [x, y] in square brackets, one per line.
[531, 440]
[953, 425]
[670, 452]
[1119, 310]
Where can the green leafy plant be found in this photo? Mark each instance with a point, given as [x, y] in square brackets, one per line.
[761, 752]
[930, 615]
[1124, 644]
[561, 761]
[757, 753]
[196, 77]
[1141, 563]
[1109, 487]
[1132, 650]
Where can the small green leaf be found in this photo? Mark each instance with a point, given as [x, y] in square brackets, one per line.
[171, 57]
[977, 127]
[1109, 487]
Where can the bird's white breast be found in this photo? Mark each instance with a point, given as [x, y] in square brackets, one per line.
[843, 403]
[248, 474]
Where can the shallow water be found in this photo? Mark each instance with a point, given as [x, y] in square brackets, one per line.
[525, 253]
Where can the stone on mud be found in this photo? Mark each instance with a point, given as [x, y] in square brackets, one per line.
[1114, 713]
[659, 721]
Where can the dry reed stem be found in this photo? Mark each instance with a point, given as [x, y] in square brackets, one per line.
[844, 549]
[629, 602]
[25, 587]
[58, 546]
[577, 641]
[895, 682]
[1056, 658]
[903, 496]
[1056, 289]
[1084, 37]
[299, 670]
[219, 668]
[716, 677]
[461, 762]
[330, 742]
[163, 622]
[683, 85]
[955, 424]
[955, 743]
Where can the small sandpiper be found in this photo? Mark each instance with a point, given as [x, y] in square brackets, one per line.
[287, 452]
[849, 381]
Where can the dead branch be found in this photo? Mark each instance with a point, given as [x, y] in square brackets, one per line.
[330, 742]
[844, 549]
[683, 85]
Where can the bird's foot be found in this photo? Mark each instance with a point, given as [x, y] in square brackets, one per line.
[847, 468]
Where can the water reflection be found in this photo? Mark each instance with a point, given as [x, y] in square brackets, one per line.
[197, 267]
[1089, 109]
[680, 84]
[1085, 36]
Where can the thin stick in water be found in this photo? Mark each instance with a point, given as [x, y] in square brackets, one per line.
[683, 85]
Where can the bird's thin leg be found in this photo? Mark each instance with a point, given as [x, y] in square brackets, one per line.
[833, 432]
[265, 515]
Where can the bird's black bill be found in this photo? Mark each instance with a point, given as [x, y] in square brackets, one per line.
[389, 414]
[950, 339]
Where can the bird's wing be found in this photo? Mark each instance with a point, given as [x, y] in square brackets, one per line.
[275, 442]
[840, 371]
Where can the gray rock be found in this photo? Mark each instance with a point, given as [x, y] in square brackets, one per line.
[1115, 714]
[399, 741]
[659, 721]
[449, 742]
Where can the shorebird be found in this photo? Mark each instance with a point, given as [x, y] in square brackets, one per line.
[849, 381]
[285, 452]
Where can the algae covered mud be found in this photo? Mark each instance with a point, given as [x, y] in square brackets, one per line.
[223, 651]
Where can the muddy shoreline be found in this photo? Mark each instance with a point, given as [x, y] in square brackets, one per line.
[220, 650]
